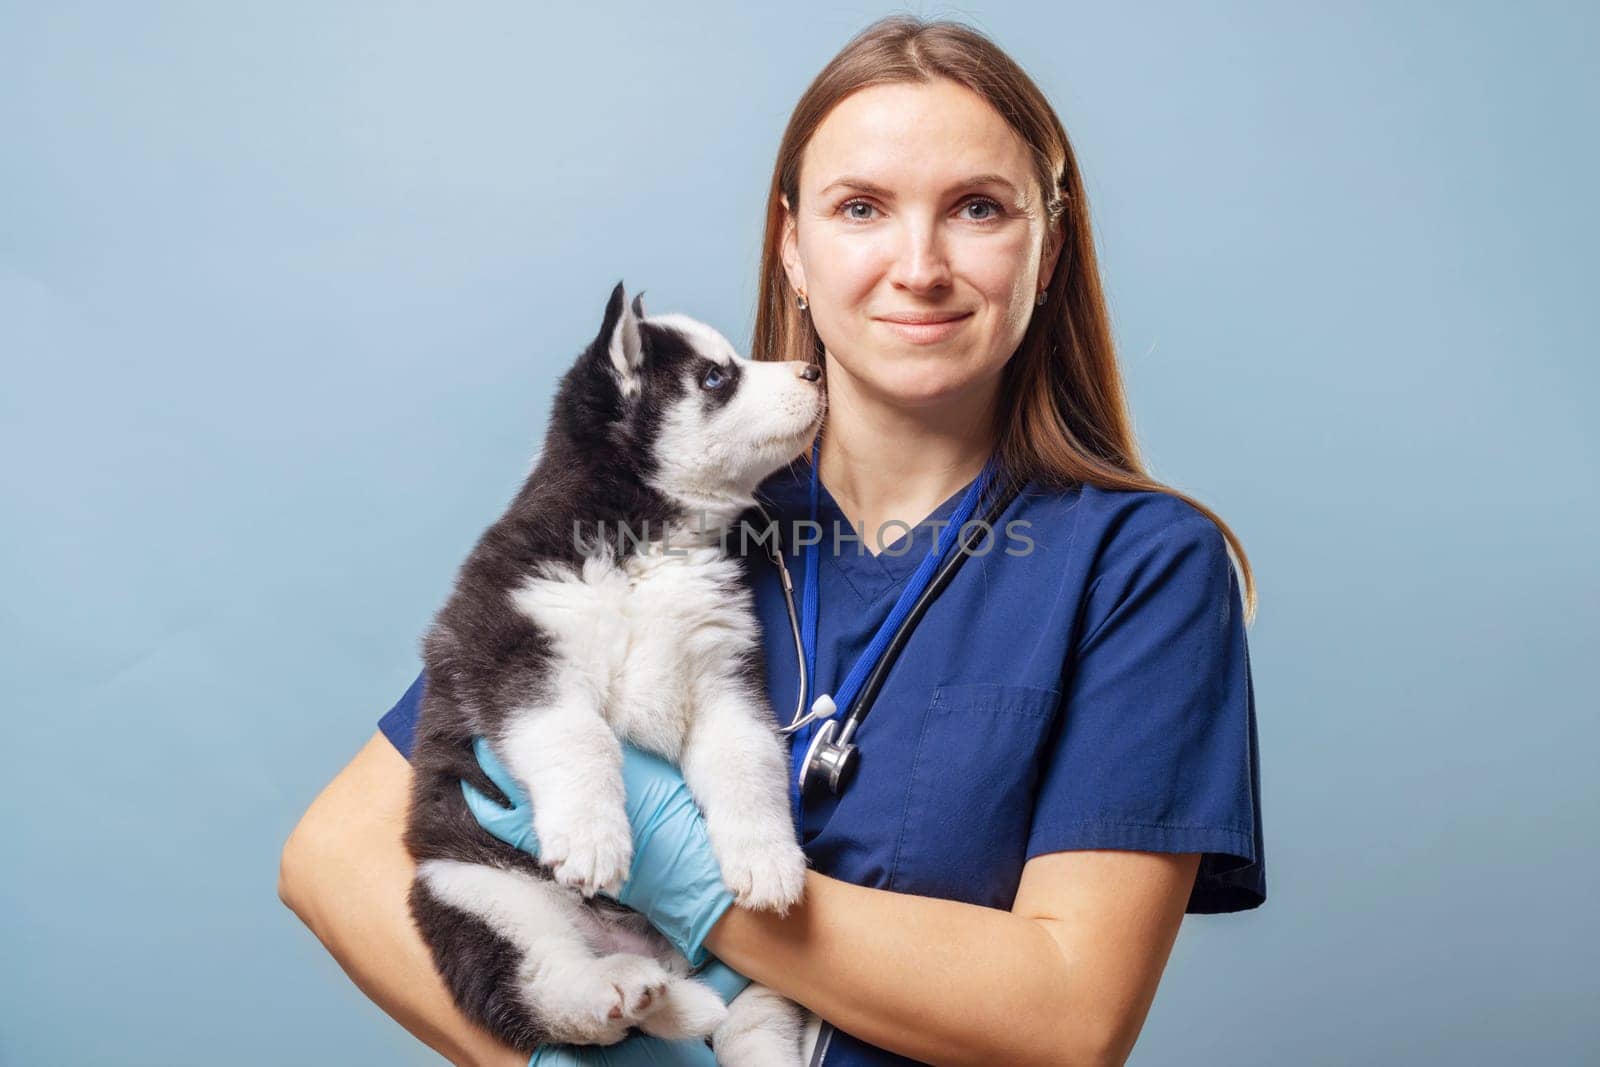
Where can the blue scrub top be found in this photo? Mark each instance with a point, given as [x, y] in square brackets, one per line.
[1091, 692]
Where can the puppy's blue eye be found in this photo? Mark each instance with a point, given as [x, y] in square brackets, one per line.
[713, 379]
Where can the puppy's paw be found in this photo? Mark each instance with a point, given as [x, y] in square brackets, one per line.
[764, 874]
[689, 1009]
[595, 1002]
[588, 855]
[640, 985]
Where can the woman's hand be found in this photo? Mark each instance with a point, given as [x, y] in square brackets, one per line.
[674, 880]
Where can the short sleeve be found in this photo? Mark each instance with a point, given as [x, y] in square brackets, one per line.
[1155, 747]
[399, 723]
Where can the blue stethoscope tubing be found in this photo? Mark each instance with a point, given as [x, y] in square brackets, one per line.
[832, 757]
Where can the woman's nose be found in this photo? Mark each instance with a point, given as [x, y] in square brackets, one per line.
[922, 263]
[809, 372]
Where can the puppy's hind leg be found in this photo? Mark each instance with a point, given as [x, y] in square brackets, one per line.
[511, 948]
[687, 1008]
[762, 1029]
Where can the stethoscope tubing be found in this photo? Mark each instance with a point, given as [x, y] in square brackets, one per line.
[775, 554]
[947, 571]
[835, 747]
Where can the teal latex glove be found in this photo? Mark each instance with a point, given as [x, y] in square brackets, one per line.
[642, 1050]
[674, 880]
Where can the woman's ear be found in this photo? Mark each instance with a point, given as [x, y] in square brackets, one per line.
[789, 247]
[1054, 241]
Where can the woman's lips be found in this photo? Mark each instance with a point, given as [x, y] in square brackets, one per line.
[926, 333]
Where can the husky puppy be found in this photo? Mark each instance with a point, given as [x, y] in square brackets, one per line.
[603, 607]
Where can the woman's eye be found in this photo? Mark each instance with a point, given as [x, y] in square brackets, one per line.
[849, 206]
[991, 208]
[713, 379]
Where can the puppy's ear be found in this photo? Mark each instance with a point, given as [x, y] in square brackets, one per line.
[638, 306]
[620, 342]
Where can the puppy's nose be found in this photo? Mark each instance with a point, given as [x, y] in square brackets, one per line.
[810, 372]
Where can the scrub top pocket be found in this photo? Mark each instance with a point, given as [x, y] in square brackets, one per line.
[970, 792]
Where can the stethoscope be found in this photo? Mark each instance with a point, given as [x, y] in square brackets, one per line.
[833, 757]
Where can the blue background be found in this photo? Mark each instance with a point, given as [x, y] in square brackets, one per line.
[284, 290]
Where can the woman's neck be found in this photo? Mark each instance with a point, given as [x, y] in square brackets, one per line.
[886, 463]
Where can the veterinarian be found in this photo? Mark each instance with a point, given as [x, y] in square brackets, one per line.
[1062, 761]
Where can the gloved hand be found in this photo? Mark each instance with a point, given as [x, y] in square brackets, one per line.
[674, 880]
[642, 1050]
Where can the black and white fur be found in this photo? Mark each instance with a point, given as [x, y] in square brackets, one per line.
[553, 647]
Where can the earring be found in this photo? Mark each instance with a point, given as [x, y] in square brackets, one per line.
[800, 302]
[1039, 300]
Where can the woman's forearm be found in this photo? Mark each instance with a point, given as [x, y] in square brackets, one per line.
[935, 980]
[346, 874]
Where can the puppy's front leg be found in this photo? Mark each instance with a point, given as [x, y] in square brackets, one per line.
[569, 761]
[733, 763]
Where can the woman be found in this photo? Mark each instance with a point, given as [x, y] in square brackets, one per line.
[1063, 761]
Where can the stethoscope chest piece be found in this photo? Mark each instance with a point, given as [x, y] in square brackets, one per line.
[831, 759]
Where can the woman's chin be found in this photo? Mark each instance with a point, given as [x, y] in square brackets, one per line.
[922, 390]
[909, 376]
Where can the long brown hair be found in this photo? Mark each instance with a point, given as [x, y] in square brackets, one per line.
[1062, 415]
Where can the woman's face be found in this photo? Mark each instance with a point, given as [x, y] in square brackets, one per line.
[917, 201]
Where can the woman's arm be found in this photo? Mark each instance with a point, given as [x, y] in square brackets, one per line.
[1066, 977]
[346, 873]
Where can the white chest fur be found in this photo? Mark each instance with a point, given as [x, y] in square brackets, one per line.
[644, 637]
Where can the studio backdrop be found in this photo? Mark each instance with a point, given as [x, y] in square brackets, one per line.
[285, 290]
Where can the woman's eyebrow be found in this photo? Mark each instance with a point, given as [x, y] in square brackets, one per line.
[861, 185]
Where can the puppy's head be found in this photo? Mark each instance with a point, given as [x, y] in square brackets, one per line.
[668, 397]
